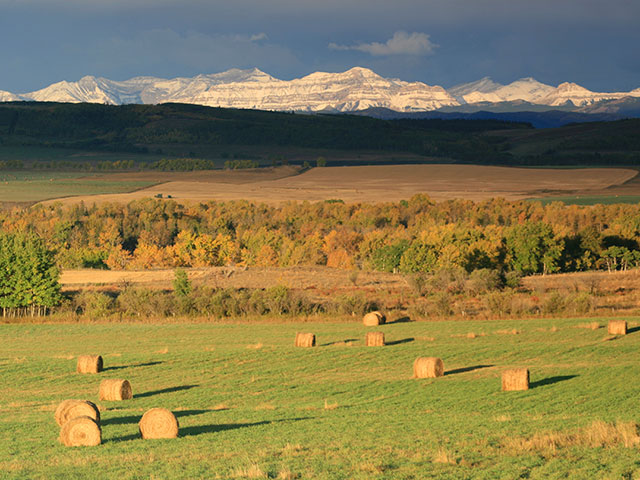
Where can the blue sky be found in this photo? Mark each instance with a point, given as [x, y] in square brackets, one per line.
[441, 42]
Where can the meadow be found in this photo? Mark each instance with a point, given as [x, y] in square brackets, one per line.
[250, 405]
[30, 186]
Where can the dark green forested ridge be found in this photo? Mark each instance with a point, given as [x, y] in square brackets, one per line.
[150, 128]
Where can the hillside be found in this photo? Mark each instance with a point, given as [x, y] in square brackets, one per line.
[188, 130]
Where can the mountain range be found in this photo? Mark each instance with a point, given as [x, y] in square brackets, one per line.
[356, 90]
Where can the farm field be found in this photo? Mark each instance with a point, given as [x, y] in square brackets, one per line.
[38, 186]
[250, 405]
[367, 183]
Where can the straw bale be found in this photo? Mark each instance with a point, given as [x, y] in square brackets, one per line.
[515, 379]
[305, 340]
[428, 367]
[115, 389]
[373, 319]
[374, 339]
[89, 364]
[158, 423]
[617, 327]
[80, 432]
[69, 409]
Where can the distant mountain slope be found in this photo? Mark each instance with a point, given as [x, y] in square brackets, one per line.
[182, 129]
[356, 89]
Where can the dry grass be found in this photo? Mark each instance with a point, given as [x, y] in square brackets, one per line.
[364, 183]
[598, 434]
[255, 346]
[590, 326]
[266, 406]
[163, 351]
[443, 456]
[508, 332]
[286, 474]
[252, 471]
[330, 406]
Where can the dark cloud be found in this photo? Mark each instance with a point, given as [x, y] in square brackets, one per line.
[590, 42]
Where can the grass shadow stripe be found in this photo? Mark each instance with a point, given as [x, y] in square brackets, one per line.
[551, 380]
[165, 390]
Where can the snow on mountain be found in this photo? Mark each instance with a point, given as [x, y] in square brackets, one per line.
[9, 97]
[356, 89]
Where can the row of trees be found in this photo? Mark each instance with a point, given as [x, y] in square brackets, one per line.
[29, 281]
[417, 235]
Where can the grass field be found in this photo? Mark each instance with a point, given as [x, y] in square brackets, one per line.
[37, 186]
[250, 405]
[590, 200]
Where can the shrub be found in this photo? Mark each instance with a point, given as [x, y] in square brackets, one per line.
[482, 281]
[499, 303]
[144, 302]
[94, 304]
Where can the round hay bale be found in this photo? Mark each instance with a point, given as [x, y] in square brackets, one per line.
[81, 432]
[373, 319]
[374, 339]
[76, 408]
[115, 389]
[515, 379]
[428, 367]
[89, 364]
[305, 340]
[158, 423]
[617, 327]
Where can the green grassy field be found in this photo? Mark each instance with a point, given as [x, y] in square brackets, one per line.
[589, 200]
[250, 405]
[37, 186]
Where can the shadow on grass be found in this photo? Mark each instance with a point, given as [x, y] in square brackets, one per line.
[399, 342]
[633, 330]
[466, 369]
[164, 390]
[401, 320]
[120, 367]
[551, 380]
[198, 429]
[339, 342]
[136, 418]
[222, 427]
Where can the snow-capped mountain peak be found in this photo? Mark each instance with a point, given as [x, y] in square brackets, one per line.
[358, 88]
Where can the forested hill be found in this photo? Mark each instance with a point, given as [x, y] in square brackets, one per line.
[147, 128]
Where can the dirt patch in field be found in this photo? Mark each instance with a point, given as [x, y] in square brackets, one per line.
[369, 183]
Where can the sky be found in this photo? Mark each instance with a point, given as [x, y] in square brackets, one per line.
[594, 43]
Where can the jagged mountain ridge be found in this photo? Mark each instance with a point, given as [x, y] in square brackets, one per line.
[356, 89]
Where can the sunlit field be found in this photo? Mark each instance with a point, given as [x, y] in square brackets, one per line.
[251, 405]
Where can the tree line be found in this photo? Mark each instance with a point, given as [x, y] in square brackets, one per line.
[413, 236]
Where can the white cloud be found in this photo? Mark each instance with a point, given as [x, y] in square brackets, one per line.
[402, 43]
[258, 36]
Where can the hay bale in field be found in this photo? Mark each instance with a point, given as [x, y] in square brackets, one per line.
[617, 327]
[76, 408]
[158, 423]
[373, 319]
[374, 339]
[428, 367]
[515, 379]
[89, 364]
[305, 340]
[80, 432]
[115, 389]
